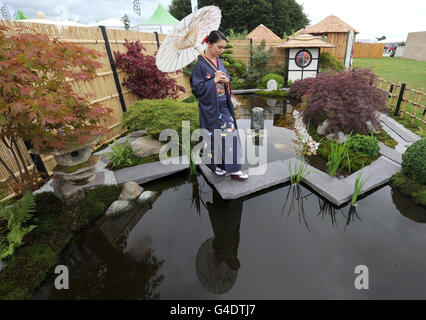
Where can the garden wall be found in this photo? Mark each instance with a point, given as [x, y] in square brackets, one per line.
[415, 47]
[103, 86]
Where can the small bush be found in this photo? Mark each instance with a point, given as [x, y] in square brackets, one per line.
[157, 115]
[299, 88]
[121, 155]
[414, 161]
[348, 100]
[272, 94]
[330, 62]
[365, 144]
[272, 76]
[143, 77]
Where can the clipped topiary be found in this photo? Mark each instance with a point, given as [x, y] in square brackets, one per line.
[414, 161]
[365, 144]
[273, 76]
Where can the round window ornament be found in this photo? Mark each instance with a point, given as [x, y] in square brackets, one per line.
[303, 58]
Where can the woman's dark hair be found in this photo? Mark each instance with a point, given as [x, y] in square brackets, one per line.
[216, 36]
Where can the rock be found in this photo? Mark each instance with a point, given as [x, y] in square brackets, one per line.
[271, 102]
[137, 134]
[341, 137]
[131, 190]
[321, 129]
[272, 85]
[257, 118]
[370, 127]
[145, 146]
[118, 207]
[146, 196]
[2, 265]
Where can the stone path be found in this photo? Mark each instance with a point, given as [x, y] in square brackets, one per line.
[338, 191]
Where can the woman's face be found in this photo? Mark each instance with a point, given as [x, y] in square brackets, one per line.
[216, 49]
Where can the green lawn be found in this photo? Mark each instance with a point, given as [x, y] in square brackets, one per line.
[397, 69]
[403, 70]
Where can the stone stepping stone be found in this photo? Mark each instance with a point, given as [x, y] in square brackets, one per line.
[228, 188]
[390, 153]
[149, 171]
[399, 129]
[338, 191]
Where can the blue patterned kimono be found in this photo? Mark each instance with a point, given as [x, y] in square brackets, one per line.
[215, 114]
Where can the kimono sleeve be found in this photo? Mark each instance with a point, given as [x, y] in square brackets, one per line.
[200, 85]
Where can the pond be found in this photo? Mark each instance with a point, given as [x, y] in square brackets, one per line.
[283, 243]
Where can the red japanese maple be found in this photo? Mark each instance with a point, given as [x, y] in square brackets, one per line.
[144, 78]
[37, 102]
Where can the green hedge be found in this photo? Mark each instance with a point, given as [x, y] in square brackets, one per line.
[157, 115]
[414, 161]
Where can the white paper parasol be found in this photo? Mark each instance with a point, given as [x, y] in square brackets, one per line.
[183, 44]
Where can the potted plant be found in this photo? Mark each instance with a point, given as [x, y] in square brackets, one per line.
[37, 101]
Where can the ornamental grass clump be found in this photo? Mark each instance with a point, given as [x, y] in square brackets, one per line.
[338, 153]
[348, 100]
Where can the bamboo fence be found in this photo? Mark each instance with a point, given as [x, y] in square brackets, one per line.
[368, 50]
[405, 101]
[103, 86]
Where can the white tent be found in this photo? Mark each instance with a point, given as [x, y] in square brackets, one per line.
[112, 23]
[48, 21]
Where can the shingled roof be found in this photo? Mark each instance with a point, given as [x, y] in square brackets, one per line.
[262, 32]
[327, 25]
[305, 41]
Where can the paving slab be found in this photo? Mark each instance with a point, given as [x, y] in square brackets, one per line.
[149, 171]
[275, 173]
[390, 153]
[399, 129]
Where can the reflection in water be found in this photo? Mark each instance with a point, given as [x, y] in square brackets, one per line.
[294, 203]
[407, 207]
[101, 266]
[217, 260]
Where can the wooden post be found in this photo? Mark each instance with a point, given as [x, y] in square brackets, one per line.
[157, 39]
[405, 97]
[397, 85]
[114, 70]
[400, 98]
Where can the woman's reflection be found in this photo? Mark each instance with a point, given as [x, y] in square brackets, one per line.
[217, 260]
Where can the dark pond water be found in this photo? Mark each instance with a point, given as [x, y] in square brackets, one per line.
[283, 243]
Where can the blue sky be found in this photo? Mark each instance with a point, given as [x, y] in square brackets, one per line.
[371, 18]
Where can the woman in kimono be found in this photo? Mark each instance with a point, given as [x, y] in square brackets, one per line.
[213, 90]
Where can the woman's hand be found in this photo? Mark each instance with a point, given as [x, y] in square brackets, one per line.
[220, 76]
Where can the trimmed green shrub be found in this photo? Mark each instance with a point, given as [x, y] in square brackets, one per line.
[272, 94]
[414, 161]
[365, 144]
[330, 62]
[273, 76]
[157, 115]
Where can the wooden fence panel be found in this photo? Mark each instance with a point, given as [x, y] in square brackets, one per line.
[413, 105]
[368, 50]
[103, 86]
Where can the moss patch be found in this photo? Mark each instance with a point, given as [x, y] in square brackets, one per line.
[386, 139]
[410, 188]
[357, 159]
[93, 159]
[272, 94]
[56, 225]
